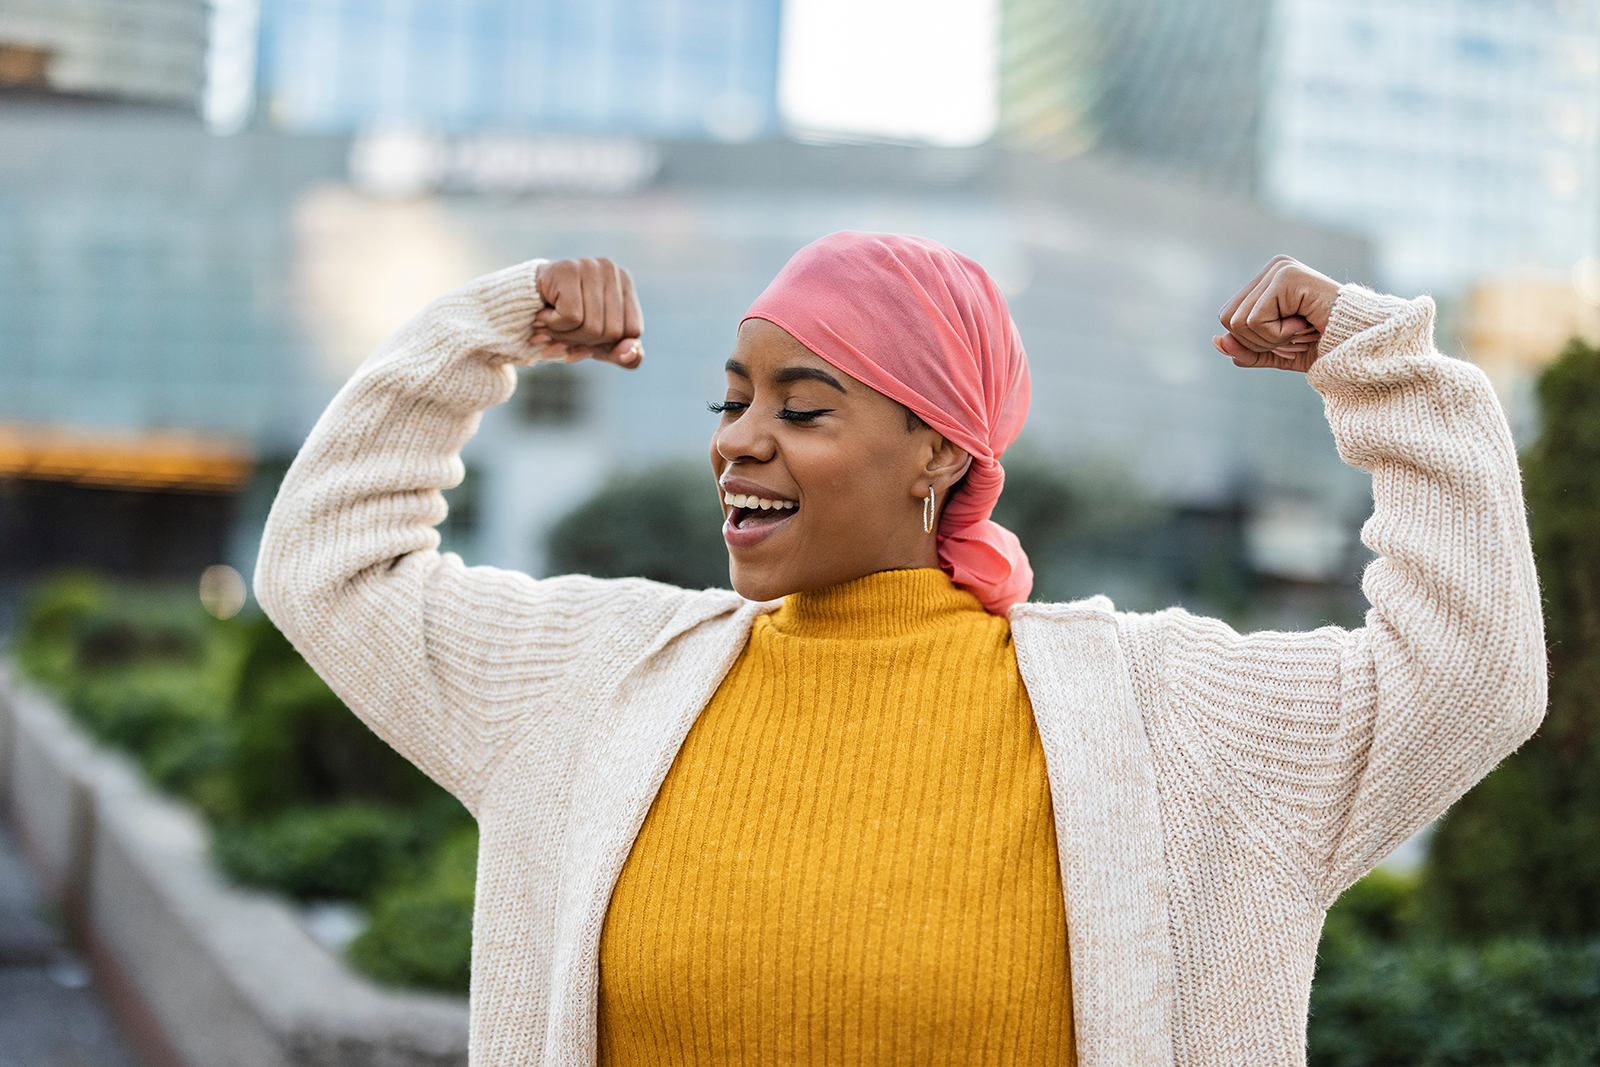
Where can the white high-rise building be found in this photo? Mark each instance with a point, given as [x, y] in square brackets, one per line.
[1460, 135]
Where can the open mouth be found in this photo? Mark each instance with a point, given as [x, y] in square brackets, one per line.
[749, 512]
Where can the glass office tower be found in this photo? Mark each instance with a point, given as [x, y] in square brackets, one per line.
[1461, 135]
[1170, 85]
[660, 68]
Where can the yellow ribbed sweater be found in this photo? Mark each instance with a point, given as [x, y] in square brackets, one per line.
[853, 858]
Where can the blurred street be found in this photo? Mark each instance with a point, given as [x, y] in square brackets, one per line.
[50, 1012]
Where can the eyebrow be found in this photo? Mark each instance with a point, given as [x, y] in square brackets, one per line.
[790, 374]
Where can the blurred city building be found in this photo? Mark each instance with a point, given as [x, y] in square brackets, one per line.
[1174, 85]
[179, 306]
[657, 68]
[150, 356]
[1463, 137]
[138, 49]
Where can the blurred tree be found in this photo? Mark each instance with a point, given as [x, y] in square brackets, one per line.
[664, 524]
[1520, 854]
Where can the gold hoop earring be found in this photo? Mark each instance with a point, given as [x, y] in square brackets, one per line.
[930, 512]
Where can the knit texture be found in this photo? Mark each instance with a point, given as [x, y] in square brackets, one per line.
[853, 859]
[1213, 792]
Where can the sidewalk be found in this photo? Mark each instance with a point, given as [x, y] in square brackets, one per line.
[50, 1014]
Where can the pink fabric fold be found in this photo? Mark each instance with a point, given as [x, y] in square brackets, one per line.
[927, 327]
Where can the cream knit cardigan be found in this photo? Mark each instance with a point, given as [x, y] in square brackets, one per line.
[1213, 791]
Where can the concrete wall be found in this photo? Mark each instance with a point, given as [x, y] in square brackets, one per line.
[203, 973]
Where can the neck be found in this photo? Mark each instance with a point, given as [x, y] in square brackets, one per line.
[886, 604]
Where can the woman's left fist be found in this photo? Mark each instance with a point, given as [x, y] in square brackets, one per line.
[1278, 319]
[590, 312]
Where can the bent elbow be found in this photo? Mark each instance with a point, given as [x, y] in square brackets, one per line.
[1521, 698]
[1531, 699]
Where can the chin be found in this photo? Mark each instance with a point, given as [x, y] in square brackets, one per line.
[754, 583]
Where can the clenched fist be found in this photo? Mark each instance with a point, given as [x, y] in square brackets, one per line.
[590, 312]
[1278, 319]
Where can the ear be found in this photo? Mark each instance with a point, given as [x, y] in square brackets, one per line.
[947, 464]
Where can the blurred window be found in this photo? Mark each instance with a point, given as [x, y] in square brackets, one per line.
[550, 395]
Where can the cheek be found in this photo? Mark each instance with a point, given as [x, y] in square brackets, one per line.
[853, 480]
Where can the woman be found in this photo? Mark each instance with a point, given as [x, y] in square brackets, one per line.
[901, 815]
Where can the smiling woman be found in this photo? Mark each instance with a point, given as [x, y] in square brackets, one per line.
[871, 807]
[847, 469]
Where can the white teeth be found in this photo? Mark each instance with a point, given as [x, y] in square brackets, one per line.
[739, 500]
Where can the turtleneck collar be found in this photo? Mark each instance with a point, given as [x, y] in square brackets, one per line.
[896, 603]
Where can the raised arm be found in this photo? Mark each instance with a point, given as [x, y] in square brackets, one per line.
[445, 662]
[1340, 744]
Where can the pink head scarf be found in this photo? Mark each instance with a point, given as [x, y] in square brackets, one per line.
[927, 327]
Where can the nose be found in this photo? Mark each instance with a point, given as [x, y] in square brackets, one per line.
[745, 438]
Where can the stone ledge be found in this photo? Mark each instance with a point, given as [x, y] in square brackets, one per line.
[227, 976]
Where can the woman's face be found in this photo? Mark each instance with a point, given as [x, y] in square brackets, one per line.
[843, 475]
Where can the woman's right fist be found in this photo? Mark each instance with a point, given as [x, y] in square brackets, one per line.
[590, 312]
[1277, 320]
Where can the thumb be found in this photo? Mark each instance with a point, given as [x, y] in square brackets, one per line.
[1229, 346]
[562, 293]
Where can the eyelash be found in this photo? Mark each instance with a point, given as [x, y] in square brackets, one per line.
[723, 407]
[802, 416]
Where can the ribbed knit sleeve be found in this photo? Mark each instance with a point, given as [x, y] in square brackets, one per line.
[1331, 747]
[451, 665]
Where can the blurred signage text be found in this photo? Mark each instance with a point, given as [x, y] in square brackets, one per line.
[400, 161]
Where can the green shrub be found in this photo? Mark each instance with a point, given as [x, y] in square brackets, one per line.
[1505, 1004]
[296, 743]
[142, 669]
[337, 850]
[77, 623]
[420, 932]
[303, 798]
[167, 715]
[1381, 908]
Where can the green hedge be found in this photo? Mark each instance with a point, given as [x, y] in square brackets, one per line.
[302, 797]
[421, 931]
[1390, 993]
[1504, 1004]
